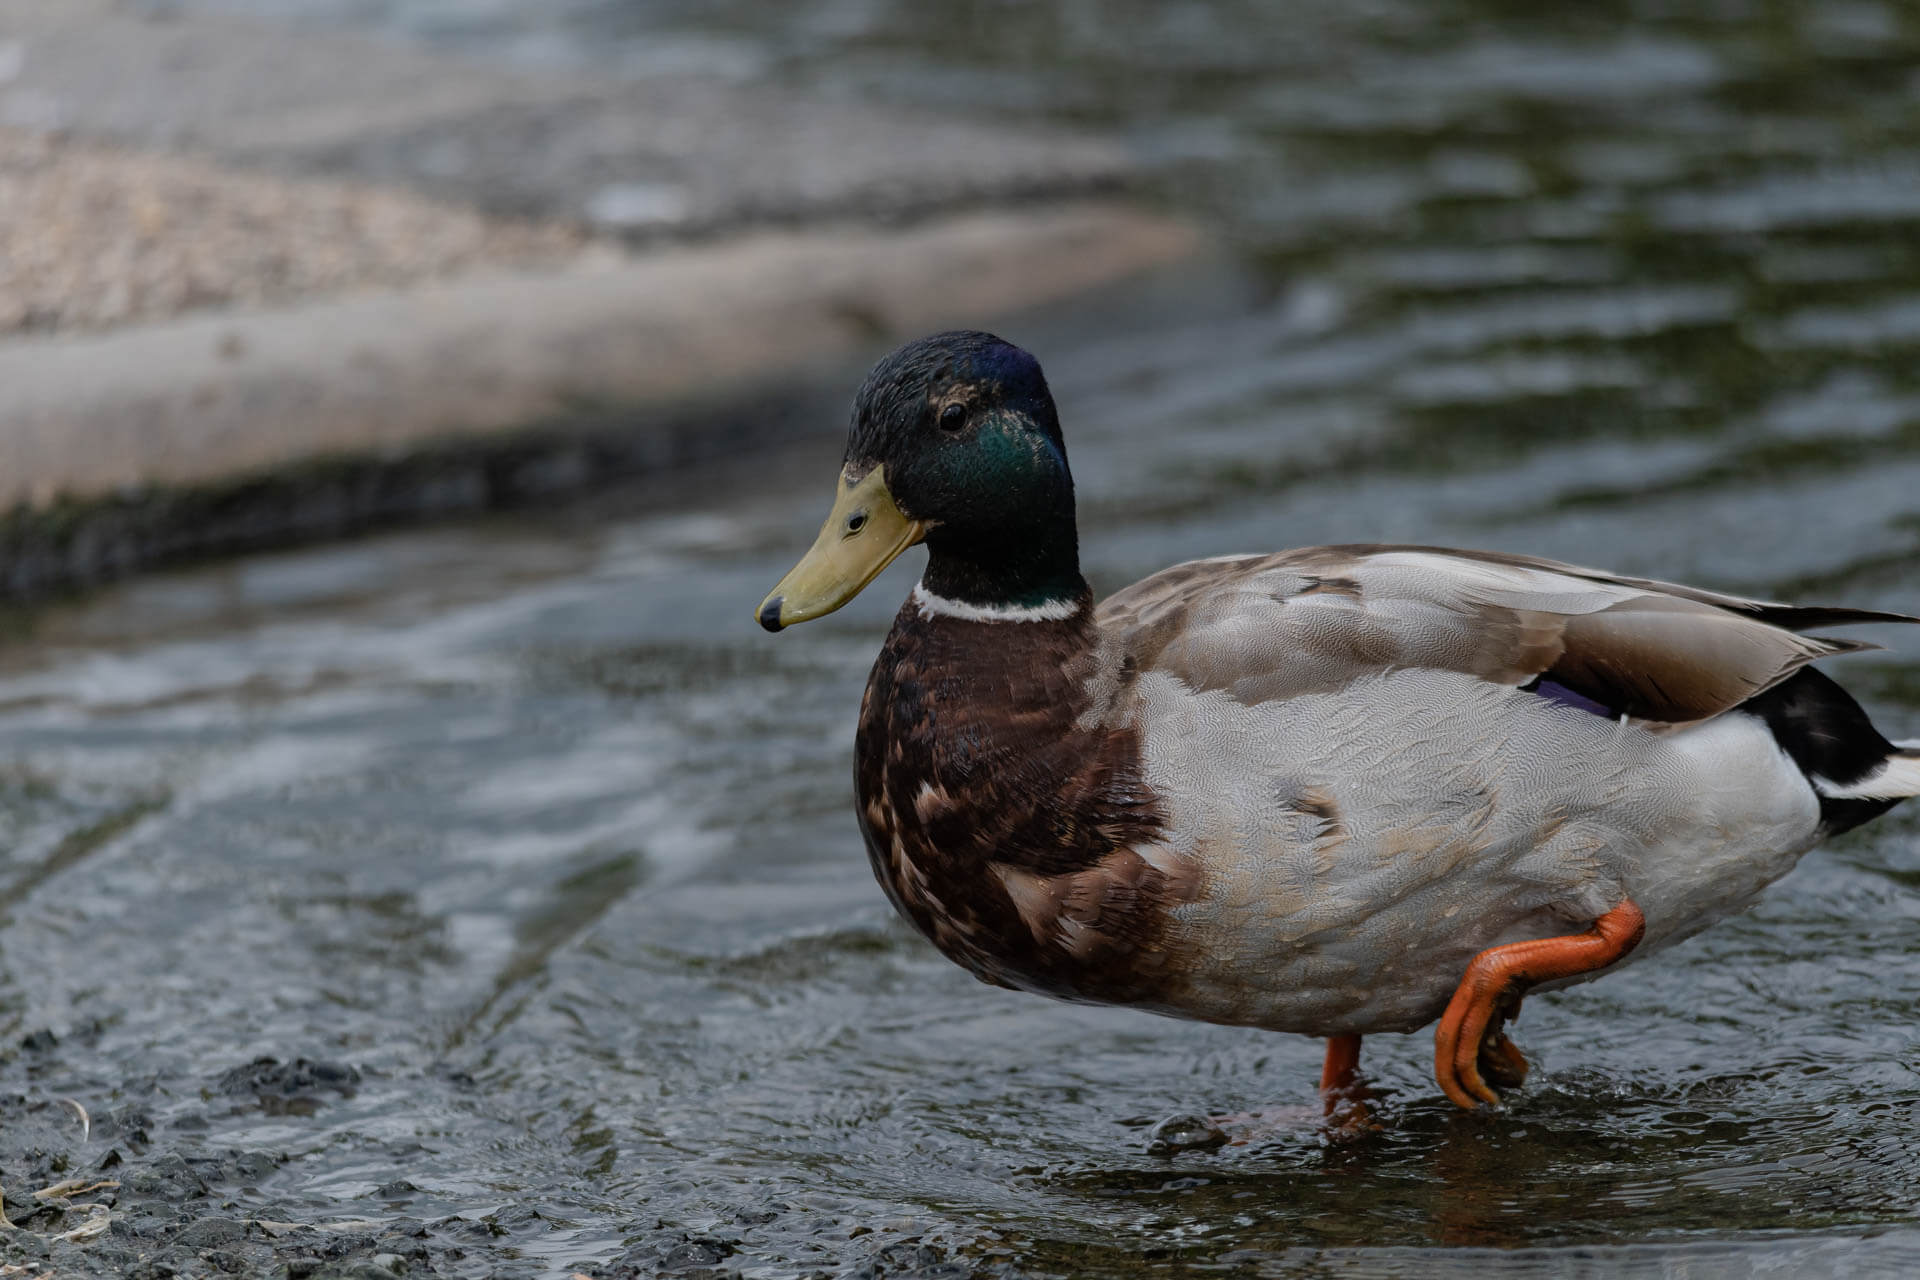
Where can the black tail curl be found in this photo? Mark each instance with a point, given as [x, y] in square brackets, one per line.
[1825, 732]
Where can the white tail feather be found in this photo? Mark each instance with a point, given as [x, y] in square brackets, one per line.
[1897, 777]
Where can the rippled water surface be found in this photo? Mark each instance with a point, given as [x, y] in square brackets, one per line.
[526, 819]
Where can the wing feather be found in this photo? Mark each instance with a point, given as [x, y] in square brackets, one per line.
[1266, 627]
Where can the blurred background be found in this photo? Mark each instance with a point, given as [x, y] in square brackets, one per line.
[424, 866]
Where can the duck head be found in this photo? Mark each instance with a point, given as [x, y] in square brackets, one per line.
[955, 443]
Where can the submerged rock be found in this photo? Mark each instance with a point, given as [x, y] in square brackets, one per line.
[1184, 1133]
[293, 1087]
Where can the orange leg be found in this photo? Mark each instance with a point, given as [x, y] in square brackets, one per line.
[1490, 991]
[1343, 1060]
[1343, 1098]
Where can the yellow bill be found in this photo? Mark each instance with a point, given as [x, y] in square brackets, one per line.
[864, 532]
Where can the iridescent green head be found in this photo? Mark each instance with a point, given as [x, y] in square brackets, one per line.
[954, 442]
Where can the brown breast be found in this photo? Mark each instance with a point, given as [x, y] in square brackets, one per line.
[1004, 812]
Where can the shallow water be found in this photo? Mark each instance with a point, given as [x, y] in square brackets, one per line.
[527, 821]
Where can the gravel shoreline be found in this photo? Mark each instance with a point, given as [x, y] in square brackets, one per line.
[145, 1190]
[150, 1186]
[94, 235]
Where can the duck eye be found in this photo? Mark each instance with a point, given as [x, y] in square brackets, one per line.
[953, 417]
[856, 522]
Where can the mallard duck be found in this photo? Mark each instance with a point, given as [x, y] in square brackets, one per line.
[1333, 791]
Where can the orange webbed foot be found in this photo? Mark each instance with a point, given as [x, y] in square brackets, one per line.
[1470, 1044]
[1500, 1061]
[1343, 1108]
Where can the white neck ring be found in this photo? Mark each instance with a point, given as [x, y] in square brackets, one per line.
[938, 606]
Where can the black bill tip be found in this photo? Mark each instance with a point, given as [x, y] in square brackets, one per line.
[770, 613]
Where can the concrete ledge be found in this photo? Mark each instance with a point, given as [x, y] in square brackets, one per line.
[141, 445]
